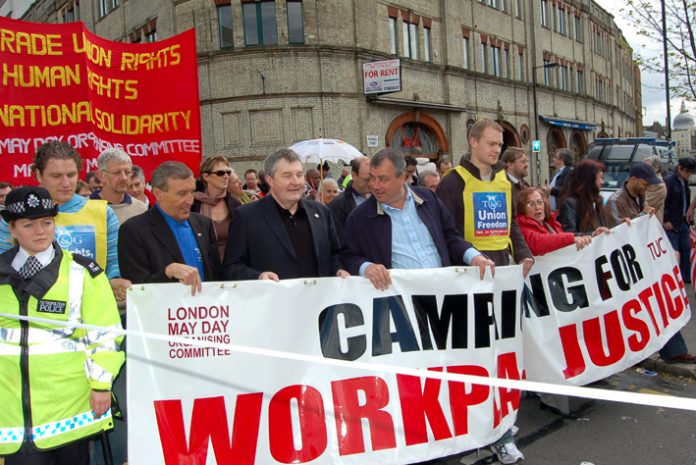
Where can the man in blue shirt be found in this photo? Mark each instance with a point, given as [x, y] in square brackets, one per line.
[168, 242]
[402, 227]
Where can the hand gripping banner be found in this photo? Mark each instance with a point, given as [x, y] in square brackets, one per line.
[60, 81]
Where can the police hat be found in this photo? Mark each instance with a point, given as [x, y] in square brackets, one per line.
[28, 203]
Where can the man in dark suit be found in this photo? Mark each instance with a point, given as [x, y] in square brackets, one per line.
[168, 242]
[516, 168]
[357, 191]
[563, 162]
[283, 235]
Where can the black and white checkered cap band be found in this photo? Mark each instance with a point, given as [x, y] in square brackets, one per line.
[30, 203]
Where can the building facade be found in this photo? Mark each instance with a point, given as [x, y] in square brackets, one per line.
[275, 72]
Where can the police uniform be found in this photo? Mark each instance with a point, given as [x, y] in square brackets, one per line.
[47, 371]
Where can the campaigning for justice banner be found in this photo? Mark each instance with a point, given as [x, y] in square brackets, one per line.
[60, 81]
[595, 312]
[202, 405]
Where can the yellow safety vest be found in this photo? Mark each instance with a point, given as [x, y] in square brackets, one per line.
[487, 210]
[48, 371]
[84, 232]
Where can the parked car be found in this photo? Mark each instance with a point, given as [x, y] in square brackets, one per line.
[617, 154]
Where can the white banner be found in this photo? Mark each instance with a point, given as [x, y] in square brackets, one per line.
[595, 312]
[208, 405]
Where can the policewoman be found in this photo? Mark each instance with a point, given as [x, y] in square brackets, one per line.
[55, 380]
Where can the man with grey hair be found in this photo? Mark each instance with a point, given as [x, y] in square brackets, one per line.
[401, 226]
[169, 243]
[115, 171]
[429, 179]
[284, 235]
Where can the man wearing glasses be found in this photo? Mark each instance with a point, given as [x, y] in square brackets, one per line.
[115, 171]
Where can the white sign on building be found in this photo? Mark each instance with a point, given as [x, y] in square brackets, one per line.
[382, 77]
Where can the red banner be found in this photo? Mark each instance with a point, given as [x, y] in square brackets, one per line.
[60, 81]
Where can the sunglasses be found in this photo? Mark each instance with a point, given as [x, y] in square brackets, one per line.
[221, 173]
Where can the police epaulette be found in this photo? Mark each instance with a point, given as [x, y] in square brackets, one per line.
[92, 266]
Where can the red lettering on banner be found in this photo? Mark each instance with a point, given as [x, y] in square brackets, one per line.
[509, 398]
[641, 336]
[209, 424]
[312, 424]
[606, 337]
[461, 400]
[419, 402]
[349, 411]
[612, 338]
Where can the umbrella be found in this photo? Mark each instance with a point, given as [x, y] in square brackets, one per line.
[321, 150]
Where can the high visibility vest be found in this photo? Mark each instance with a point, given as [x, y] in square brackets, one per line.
[487, 210]
[48, 371]
[84, 232]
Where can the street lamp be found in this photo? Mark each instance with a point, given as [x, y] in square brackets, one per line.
[536, 114]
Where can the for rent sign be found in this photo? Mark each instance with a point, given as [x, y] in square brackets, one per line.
[382, 77]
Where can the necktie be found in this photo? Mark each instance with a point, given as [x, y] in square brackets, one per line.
[30, 267]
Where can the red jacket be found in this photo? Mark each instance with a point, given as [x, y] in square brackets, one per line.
[539, 239]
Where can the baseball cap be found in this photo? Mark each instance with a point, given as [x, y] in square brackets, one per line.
[644, 171]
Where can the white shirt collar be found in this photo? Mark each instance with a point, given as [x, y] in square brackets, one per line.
[44, 257]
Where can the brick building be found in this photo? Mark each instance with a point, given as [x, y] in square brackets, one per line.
[275, 72]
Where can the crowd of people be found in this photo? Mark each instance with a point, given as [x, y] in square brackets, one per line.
[72, 248]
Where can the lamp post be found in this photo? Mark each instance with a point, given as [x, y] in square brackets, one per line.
[536, 114]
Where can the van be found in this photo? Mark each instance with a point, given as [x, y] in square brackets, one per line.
[617, 155]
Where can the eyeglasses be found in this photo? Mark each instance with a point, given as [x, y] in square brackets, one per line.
[535, 203]
[127, 173]
[222, 173]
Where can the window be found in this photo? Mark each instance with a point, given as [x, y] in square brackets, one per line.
[578, 28]
[484, 58]
[495, 61]
[225, 26]
[392, 36]
[260, 27]
[562, 21]
[520, 66]
[547, 74]
[151, 36]
[71, 13]
[295, 22]
[518, 9]
[544, 13]
[563, 80]
[410, 38]
[426, 44]
[465, 46]
[106, 6]
[554, 14]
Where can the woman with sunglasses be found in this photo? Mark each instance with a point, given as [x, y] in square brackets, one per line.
[539, 226]
[215, 201]
[55, 378]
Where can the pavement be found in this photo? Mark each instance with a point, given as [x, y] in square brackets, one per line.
[688, 370]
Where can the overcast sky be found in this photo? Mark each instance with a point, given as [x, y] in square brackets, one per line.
[653, 94]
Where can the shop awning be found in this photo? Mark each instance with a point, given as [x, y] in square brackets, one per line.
[416, 104]
[569, 123]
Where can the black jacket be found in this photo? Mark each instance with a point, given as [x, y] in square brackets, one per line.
[674, 201]
[146, 246]
[258, 242]
[342, 205]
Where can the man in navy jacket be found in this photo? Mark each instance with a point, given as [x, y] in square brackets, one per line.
[402, 227]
